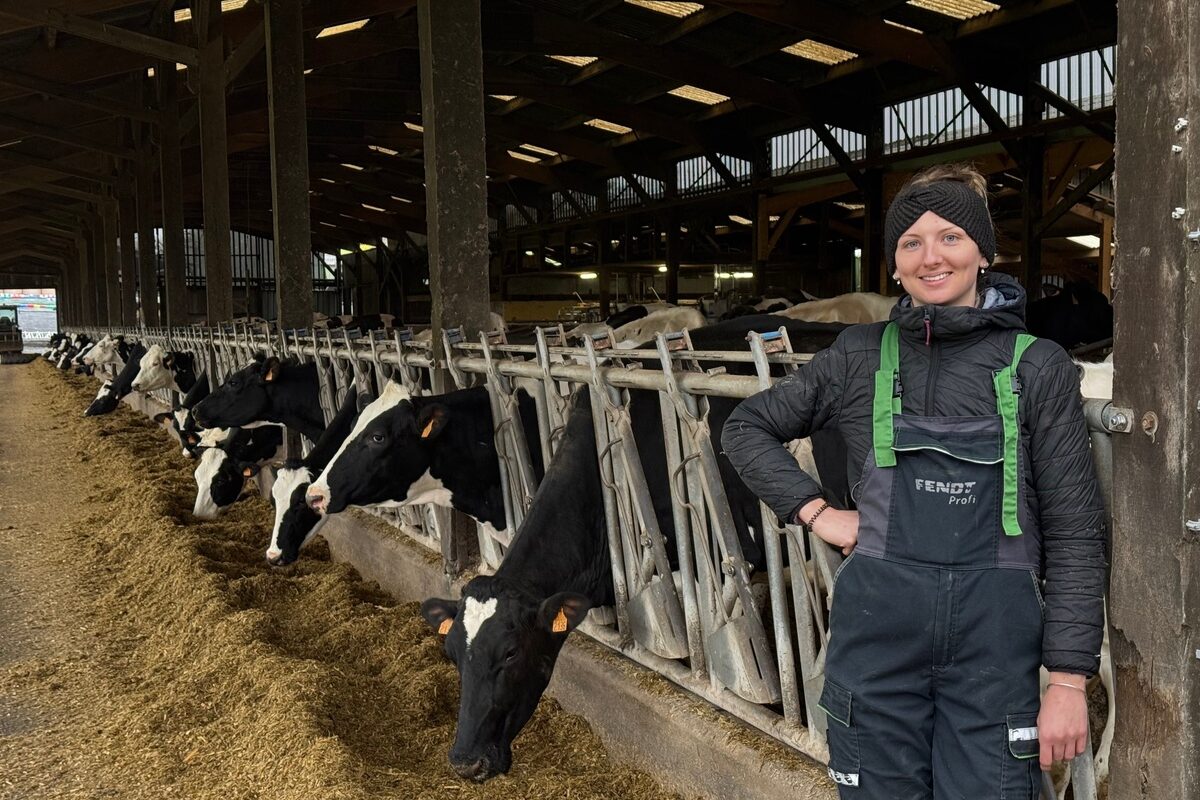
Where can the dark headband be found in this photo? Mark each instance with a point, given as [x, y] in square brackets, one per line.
[951, 200]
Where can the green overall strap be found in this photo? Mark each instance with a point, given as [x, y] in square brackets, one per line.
[887, 402]
[1006, 406]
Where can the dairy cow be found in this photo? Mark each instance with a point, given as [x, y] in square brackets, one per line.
[162, 369]
[223, 469]
[266, 390]
[851, 309]
[106, 402]
[644, 328]
[430, 449]
[506, 631]
[295, 522]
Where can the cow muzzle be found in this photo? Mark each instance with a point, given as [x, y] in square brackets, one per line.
[317, 499]
[478, 770]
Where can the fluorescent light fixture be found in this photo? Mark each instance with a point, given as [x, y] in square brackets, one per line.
[387, 151]
[374, 208]
[307, 71]
[588, 276]
[959, 9]
[738, 275]
[725, 275]
[504, 97]
[523, 156]
[354, 167]
[326, 224]
[663, 268]
[698, 95]
[149, 72]
[1090, 242]
[553, 262]
[816, 51]
[400, 199]
[366, 248]
[412, 126]
[605, 125]
[740, 220]
[672, 9]
[528, 252]
[533, 148]
[858, 252]
[578, 61]
[345, 27]
[616, 242]
[327, 180]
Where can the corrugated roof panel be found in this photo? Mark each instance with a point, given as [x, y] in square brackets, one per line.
[698, 95]
[959, 9]
[816, 51]
[679, 10]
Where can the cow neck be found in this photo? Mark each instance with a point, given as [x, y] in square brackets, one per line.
[464, 459]
[298, 383]
[562, 545]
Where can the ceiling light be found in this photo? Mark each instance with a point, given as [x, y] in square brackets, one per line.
[307, 71]
[535, 149]
[374, 208]
[528, 252]
[605, 125]
[740, 220]
[679, 10]
[343, 28]
[366, 248]
[815, 51]
[588, 276]
[578, 61]
[354, 167]
[523, 156]
[1090, 242]
[553, 262]
[738, 275]
[326, 224]
[725, 275]
[401, 199]
[698, 95]
[327, 180]
[504, 97]
[663, 268]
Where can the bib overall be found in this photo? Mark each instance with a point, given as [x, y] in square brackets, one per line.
[931, 684]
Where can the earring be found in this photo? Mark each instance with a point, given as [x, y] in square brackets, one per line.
[982, 270]
[896, 279]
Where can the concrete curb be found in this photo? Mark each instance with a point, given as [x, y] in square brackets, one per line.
[644, 720]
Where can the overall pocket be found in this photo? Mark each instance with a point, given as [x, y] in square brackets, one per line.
[1019, 761]
[837, 703]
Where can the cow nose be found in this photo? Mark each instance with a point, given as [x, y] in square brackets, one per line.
[316, 499]
[476, 770]
[275, 558]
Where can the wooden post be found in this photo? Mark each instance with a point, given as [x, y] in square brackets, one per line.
[1106, 256]
[127, 214]
[1155, 591]
[147, 260]
[171, 166]
[289, 161]
[674, 253]
[112, 263]
[214, 169]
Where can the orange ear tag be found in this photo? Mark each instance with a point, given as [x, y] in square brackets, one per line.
[428, 429]
[246, 472]
[445, 627]
[560, 623]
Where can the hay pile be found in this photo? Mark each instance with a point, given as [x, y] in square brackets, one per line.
[192, 670]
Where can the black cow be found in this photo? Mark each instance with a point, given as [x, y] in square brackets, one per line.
[506, 631]
[182, 421]
[636, 311]
[363, 322]
[431, 449]
[106, 402]
[267, 390]
[223, 469]
[77, 346]
[1079, 314]
[295, 522]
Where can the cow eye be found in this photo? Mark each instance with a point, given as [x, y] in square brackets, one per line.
[511, 656]
[377, 438]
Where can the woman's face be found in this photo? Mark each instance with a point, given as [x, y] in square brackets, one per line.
[937, 263]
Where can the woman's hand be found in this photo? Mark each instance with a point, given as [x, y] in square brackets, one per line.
[1063, 720]
[838, 528]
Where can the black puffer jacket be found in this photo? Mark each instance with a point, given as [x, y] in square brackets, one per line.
[952, 376]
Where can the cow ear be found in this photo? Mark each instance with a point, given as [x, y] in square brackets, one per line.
[364, 399]
[250, 470]
[432, 420]
[162, 417]
[270, 369]
[168, 360]
[562, 613]
[439, 614]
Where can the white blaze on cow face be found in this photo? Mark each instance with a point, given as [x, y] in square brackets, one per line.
[393, 395]
[152, 374]
[286, 482]
[210, 463]
[211, 437]
[475, 614]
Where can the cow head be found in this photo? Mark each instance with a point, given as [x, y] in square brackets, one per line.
[105, 403]
[219, 482]
[504, 642]
[155, 370]
[102, 352]
[385, 459]
[243, 398]
[295, 522]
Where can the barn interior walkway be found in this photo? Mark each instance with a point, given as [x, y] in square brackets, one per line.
[146, 655]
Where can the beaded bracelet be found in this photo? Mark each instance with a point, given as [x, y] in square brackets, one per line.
[808, 525]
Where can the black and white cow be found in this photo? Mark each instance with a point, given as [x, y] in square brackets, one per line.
[223, 469]
[295, 522]
[162, 369]
[267, 390]
[364, 322]
[77, 345]
[106, 401]
[53, 344]
[436, 449]
[182, 421]
[506, 631]
[635, 311]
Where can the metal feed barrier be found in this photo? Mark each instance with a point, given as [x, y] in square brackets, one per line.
[753, 647]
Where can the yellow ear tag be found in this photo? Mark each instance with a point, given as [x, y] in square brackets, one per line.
[445, 627]
[560, 623]
[246, 472]
[428, 429]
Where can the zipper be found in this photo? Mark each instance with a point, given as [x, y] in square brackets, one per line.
[934, 350]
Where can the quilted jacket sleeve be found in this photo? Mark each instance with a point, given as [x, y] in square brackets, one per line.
[1073, 519]
[795, 407]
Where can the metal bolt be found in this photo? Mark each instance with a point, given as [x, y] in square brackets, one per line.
[1192, 525]
[1150, 424]
[1193, 236]
[1119, 420]
[1180, 124]
[1176, 148]
[1178, 212]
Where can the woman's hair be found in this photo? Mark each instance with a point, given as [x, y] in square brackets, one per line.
[961, 172]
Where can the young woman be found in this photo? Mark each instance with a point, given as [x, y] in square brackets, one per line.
[977, 550]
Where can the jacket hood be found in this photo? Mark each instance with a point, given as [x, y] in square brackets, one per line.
[1000, 306]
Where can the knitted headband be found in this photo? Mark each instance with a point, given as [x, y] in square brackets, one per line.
[951, 200]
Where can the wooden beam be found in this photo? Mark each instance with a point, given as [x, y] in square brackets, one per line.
[69, 94]
[1069, 109]
[245, 53]
[1097, 176]
[61, 134]
[86, 28]
[10, 156]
